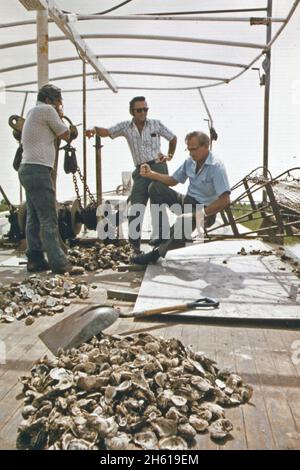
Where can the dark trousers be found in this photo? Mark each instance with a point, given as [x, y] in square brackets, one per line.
[184, 206]
[139, 197]
[41, 224]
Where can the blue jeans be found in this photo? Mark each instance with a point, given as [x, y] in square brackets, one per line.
[41, 224]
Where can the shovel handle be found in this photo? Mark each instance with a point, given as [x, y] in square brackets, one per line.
[200, 303]
[154, 311]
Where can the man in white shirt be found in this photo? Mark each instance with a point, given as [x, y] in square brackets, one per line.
[143, 137]
[42, 127]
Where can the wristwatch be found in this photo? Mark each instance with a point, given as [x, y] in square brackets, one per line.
[170, 155]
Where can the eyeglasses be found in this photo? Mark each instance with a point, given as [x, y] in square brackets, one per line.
[192, 149]
[141, 110]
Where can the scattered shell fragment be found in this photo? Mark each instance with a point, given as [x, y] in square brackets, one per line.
[29, 320]
[36, 296]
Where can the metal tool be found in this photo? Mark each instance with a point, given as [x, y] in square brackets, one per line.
[79, 327]
[204, 302]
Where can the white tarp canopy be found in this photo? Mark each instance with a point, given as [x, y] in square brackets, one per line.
[150, 57]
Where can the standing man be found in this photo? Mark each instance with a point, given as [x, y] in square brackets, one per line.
[42, 127]
[208, 187]
[143, 137]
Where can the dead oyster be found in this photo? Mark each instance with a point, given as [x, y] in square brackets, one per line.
[220, 429]
[173, 443]
[234, 381]
[174, 414]
[146, 440]
[187, 430]
[111, 393]
[118, 442]
[216, 410]
[199, 424]
[124, 386]
[29, 320]
[160, 378]
[91, 383]
[79, 444]
[164, 427]
[245, 393]
[59, 373]
[178, 400]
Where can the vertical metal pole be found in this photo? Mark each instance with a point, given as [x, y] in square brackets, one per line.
[42, 47]
[84, 129]
[22, 114]
[267, 94]
[210, 119]
[98, 147]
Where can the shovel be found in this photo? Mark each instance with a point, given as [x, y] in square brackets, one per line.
[78, 327]
[204, 302]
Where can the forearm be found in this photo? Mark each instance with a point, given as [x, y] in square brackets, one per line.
[165, 179]
[172, 146]
[101, 131]
[218, 205]
[65, 136]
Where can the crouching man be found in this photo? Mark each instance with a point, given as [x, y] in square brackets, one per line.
[208, 186]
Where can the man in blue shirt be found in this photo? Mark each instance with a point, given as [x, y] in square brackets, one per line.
[208, 186]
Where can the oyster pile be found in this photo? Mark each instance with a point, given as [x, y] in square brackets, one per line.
[101, 256]
[132, 392]
[36, 296]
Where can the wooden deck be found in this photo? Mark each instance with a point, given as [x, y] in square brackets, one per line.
[262, 356]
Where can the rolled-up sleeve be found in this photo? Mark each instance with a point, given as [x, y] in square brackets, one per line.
[118, 130]
[54, 122]
[180, 174]
[165, 132]
[221, 181]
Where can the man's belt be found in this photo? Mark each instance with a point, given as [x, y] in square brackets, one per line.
[148, 163]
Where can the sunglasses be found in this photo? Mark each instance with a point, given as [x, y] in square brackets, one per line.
[192, 149]
[140, 110]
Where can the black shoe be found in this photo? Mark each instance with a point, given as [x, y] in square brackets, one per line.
[147, 258]
[155, 242]
[34, 266]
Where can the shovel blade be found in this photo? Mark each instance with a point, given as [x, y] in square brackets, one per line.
[78, 327]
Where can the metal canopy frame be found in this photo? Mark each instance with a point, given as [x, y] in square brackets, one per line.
[71, 34]
[263, 47]
[131, 56]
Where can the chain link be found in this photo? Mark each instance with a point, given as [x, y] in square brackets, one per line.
[76, 190]
[90, 195]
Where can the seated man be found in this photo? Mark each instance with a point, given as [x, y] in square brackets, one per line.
[208, 186]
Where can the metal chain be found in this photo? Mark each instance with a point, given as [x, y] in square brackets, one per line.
[76, 190]
[86, 187]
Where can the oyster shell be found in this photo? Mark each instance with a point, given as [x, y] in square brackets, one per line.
[220, 429]
[111, 393]
[164, 427]
[173, 443]
[146, 440]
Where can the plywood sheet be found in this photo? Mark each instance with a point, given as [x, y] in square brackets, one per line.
[248, 287]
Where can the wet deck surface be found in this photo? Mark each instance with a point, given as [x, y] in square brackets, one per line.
[262, 356]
